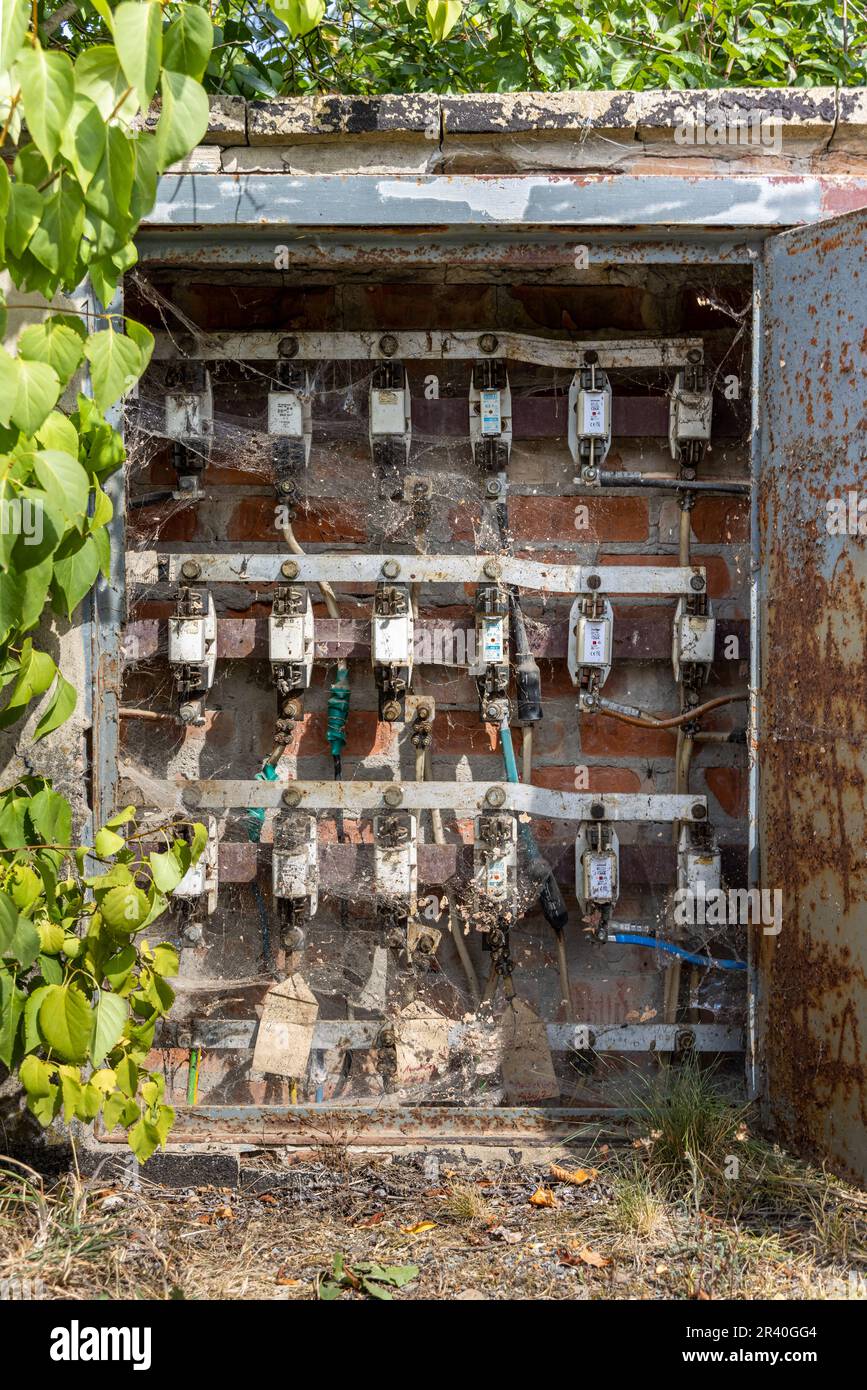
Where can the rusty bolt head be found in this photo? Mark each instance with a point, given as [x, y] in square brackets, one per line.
[188, 712]
[694, 356]
[684, 1040]
[591, 357]
[391, 711]
[597, 811]
[698, 812]
[289, 569]
[291, 797]
[423, 712]
[594, 581]
[488, 342]
[697, 582]
[288, 347]
[491, 569]
[495, 796]
[190, 569]
[494, 713]
[388, 345]
[393, 797]
[390, 569]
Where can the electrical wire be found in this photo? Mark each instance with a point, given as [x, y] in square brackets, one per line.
[647, 721]
[711, 962]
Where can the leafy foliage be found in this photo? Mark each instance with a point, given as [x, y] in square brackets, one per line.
[84, 174]
[364, 1276]
[79, 995]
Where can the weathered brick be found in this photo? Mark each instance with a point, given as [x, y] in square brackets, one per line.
[599, 779]
[601, 736]
[319, 522]
[577, 520]
[730, 786]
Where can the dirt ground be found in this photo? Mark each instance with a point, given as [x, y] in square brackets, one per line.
[605, 1224]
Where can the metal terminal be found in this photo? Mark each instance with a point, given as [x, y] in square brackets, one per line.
[190, 569]
[390, 569]
[288, 347]
[495, 796]
[291, 797]
[393, 797]
[289, 569]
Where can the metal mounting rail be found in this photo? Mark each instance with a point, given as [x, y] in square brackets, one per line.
[237, 1034]
[426, 346]
[145, 567]
[358, 797]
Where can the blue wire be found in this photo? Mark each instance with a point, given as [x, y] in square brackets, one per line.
[634, 939]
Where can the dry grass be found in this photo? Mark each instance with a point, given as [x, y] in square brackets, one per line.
[795, 1234]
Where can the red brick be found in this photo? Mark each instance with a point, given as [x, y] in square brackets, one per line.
[599, 779]
[601, 736]
[254, 519]
[462, 731]
[554, 518]
[366, 736]
[165, 521]
[721, 520]
[718, 579]
[730, 786]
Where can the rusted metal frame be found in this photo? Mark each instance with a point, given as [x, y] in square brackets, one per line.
[485, 200]
[304, 1125]
[238, 1034]
[438, 641]
[355, 567]
[758, 596]
[358, 797]
[431, 345]
[545, 249]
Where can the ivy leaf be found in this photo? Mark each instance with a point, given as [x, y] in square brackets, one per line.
[65, 1021]
[138, 39]
[48, 90]
[115, 365]
[183, 118]
[36, 396]
[109, 1017]
[187, 42]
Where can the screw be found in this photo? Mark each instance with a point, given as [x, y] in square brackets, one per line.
[698, 812]
[488, 342]
[391, 711]
[287, 347]
[491, 569]
[597, 810]
[388, 345]
[190, 570]
[289, 569]
[492, 488]
[697, 582]
[591, 357]
[291, 797]
[390, 569]
[187, 713]
[393, 797]
[694, 356]
[495, 796]
[594, 581]
[423, 712]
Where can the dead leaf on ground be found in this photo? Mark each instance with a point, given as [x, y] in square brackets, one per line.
[543, 1197]
[224, 1214]
[284, 1278]
[701, 1297]
[268, 1199]
[505, 1235]
[373, 1220]
[576, 1176]
[419, 1228]
[582, 1255]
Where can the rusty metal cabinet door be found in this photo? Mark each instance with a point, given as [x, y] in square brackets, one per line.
[812, 701]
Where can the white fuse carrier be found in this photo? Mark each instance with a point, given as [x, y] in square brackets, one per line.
[693, 640]
[597, 866]
[589, 421]
[201, 879]
[295, 862]
[291, 633]
[495, 858]
[490, 415]
[699, 862]
[690, 414]
[395, 858]
[590, 645]
[290, 417]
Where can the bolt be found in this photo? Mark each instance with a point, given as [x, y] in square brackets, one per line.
[491, 569]
[289, 569]
[488, 342]
[697, 582]
[390, 569]
[391, 711]
[495, 796]
[684, 1040]
[591, 357]
[687, 475]
[492, 488]
[286, 488]
[194, 932]
[187, 712]
[291, 797]
[388, 345]
[393, 797]
[423, 712]
[597, 811]
[287, 347]
[698, 812]
[190, 569]
[493, 713]
[694, 356]
[589, 475]
[594, 581]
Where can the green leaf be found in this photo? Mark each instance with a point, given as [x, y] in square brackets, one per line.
[108, 843]
[99, 75]
[58, 432]
[24, 886]
[115, 363]
[19, 939]
[50, 814]
[119, 965]
[300, 16]
[121, 818]
[109, 1017]
[22, 219]
[165, 961]
[187, 42]
[167, 872]
[36, 672]
[124, 909]
[12, 1001]
[35, 1073]
[55, 243]
[37, 393]
[142, 337]
[71, 1090]
[48, 89]
[183, 118]
[8, 385]
[138, 39]
[52, 341]
[65, 1021]
[144, 1138]
[50, 937]
[127, 1076]
[119, 1109]
[442, 16]
[60, 707]
[63, 476]
[83, 140]
[14, 19]
[75, 574]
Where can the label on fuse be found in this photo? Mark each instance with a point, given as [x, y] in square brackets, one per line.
[600, 877]
[497, 877]
[492, 640]
[593, 423]
[285, 414]
[594, 647]
[490, 410]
